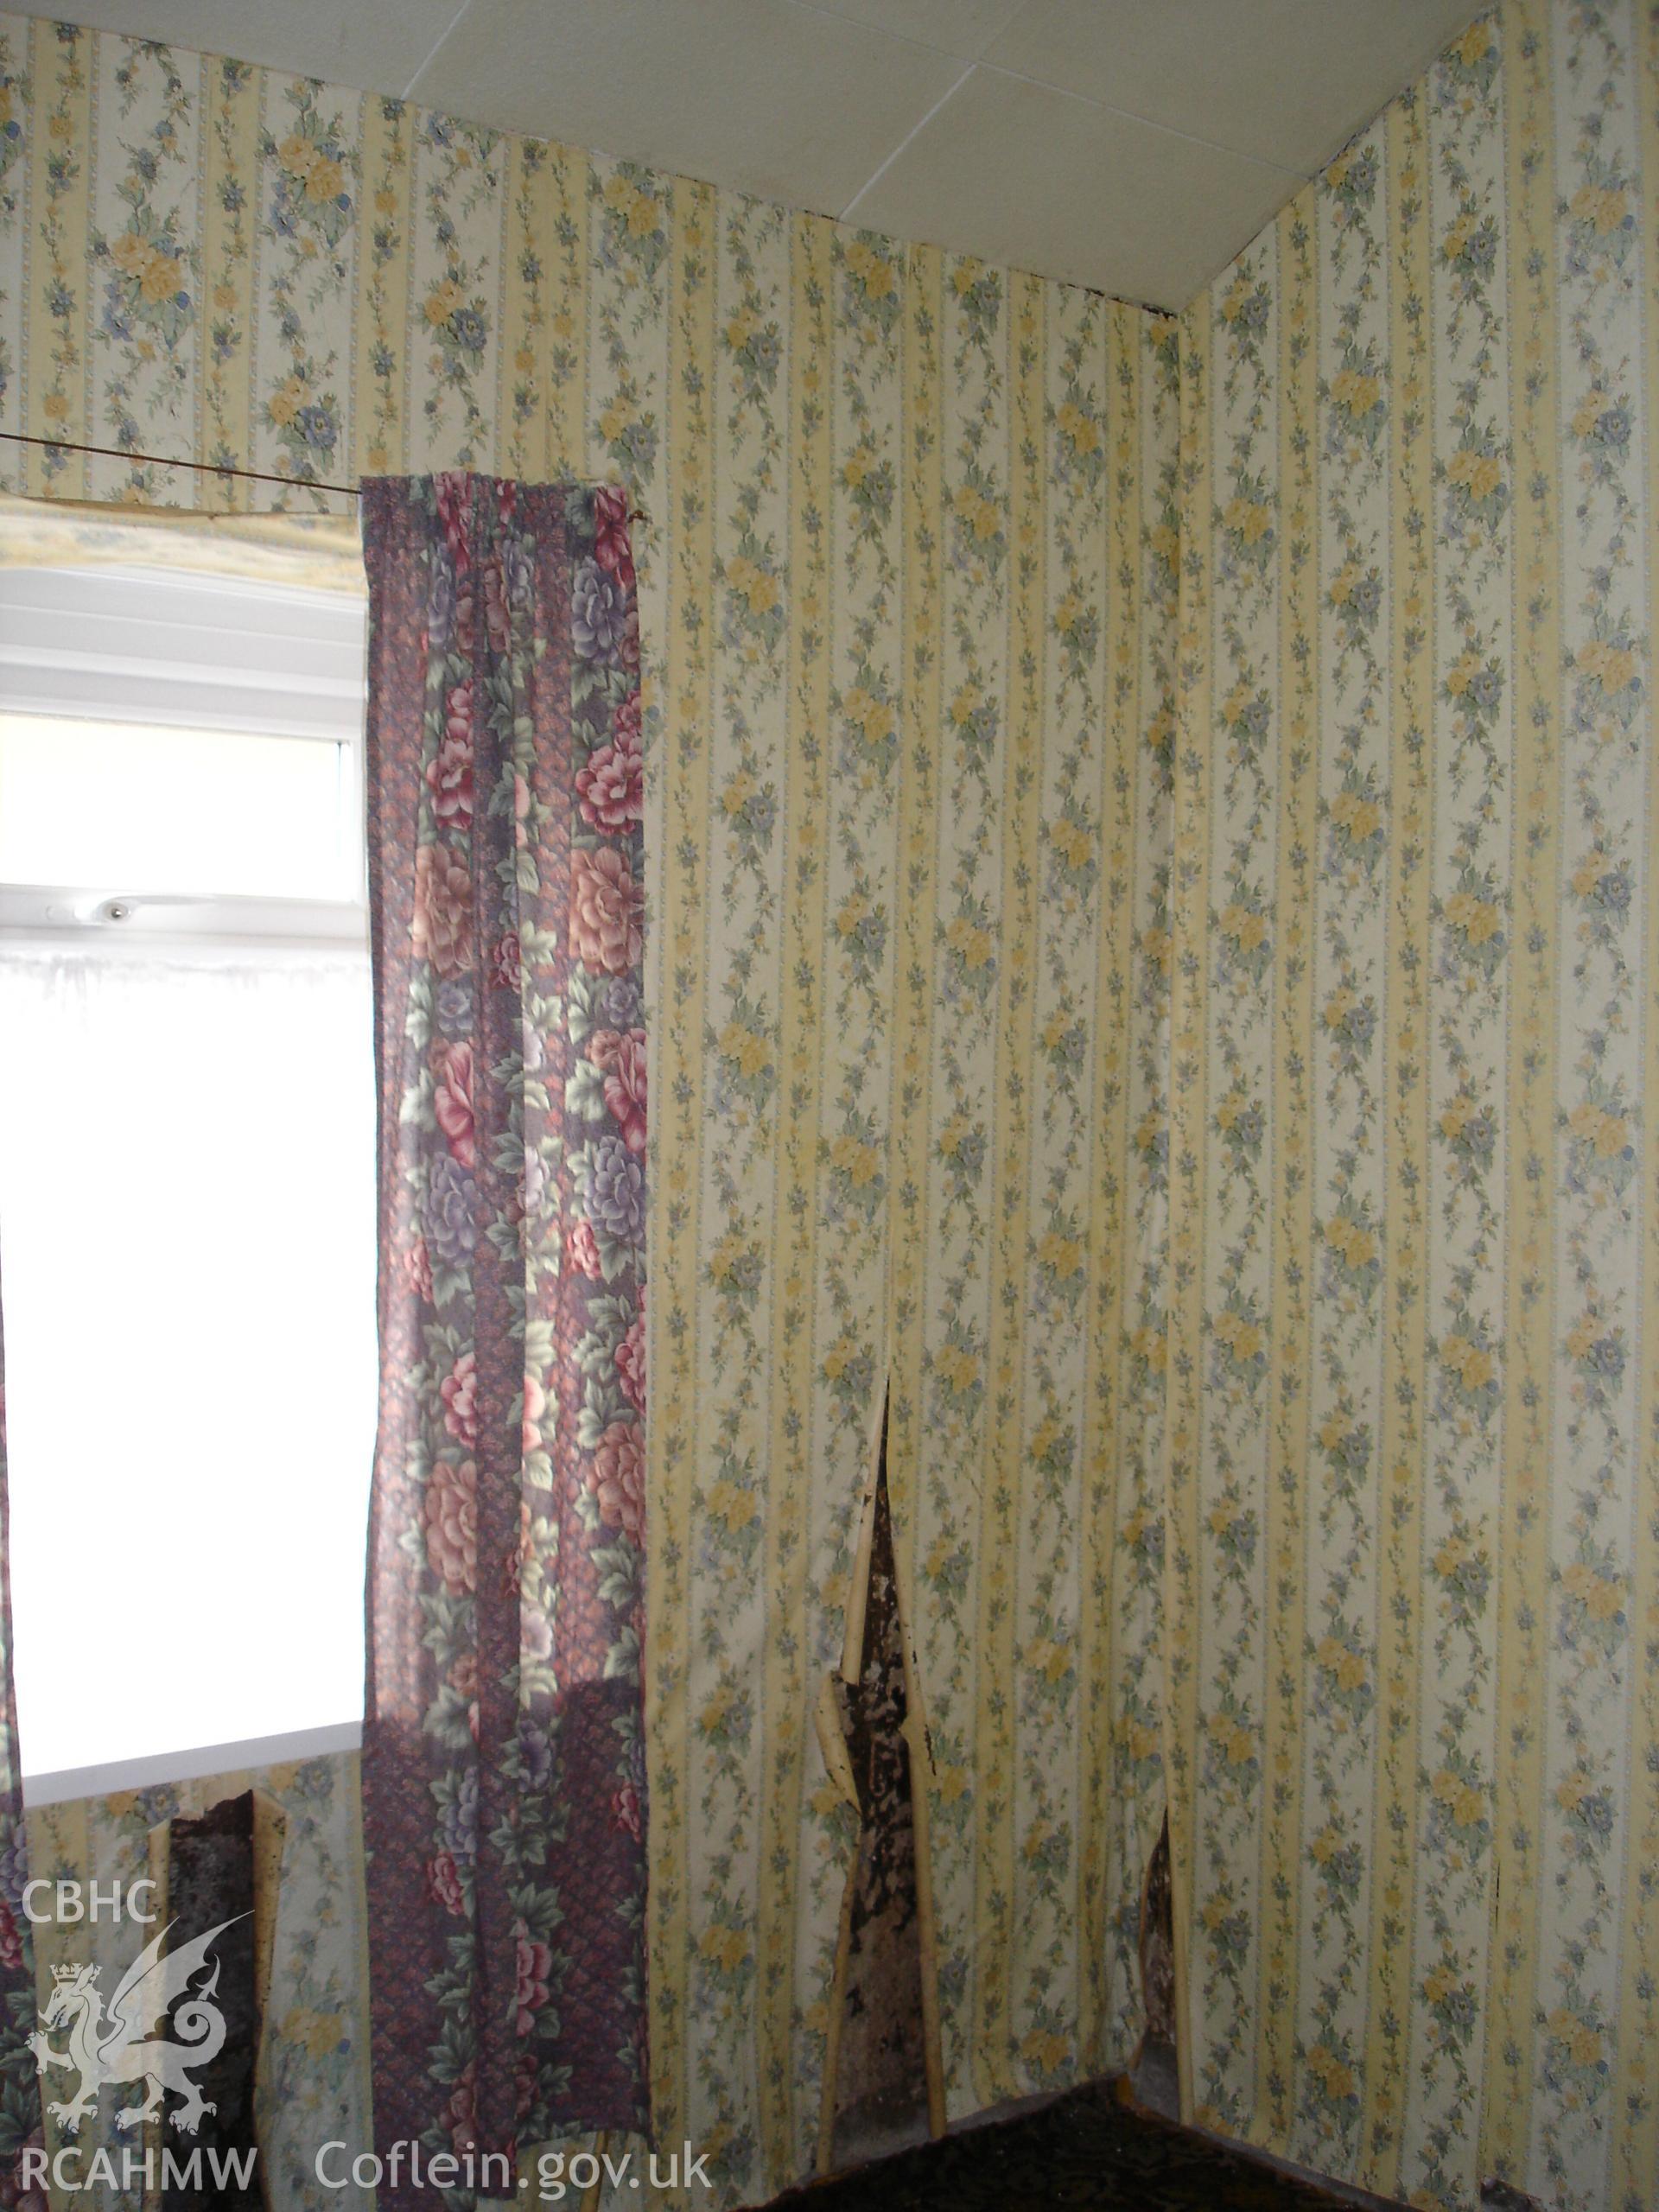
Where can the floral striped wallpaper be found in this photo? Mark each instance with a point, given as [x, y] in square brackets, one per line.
[1414, 1477]
[910, 838]
[908, 583]
[1156, 950]
[314, 2084]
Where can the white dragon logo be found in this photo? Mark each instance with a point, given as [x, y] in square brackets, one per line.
[125, 2047]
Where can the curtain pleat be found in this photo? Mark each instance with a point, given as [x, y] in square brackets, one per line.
[503, 1765]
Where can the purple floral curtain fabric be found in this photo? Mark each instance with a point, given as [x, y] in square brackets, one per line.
[503, 1758]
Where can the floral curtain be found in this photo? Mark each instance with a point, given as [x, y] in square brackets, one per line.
[20, 2085]
[503, 1763]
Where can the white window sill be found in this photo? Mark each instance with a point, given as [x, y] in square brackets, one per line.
[33, 916]
[73, 1783]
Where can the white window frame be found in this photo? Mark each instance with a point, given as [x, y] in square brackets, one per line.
[185, 650]
[191, 652]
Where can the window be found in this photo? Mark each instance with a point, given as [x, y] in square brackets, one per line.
[187, 1166]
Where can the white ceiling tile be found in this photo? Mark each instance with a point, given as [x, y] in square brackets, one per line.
[1017, 172]
[1193, 118]
[960, 27]
[371, 49]
[1286, 81]
[792, 102]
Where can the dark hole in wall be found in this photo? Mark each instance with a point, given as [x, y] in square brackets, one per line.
[1155, 2078]
[880, 2094]
[210, 1882]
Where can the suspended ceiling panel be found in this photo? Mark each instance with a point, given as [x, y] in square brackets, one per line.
[1133, 145]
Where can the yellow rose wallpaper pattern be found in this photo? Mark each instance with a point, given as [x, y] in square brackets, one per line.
[314, 2077]
[1414, 1366]
[1154, 951]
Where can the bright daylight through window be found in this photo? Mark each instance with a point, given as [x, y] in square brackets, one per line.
[187, 1134]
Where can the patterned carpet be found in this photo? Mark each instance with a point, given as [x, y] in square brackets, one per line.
[1085, 2153]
